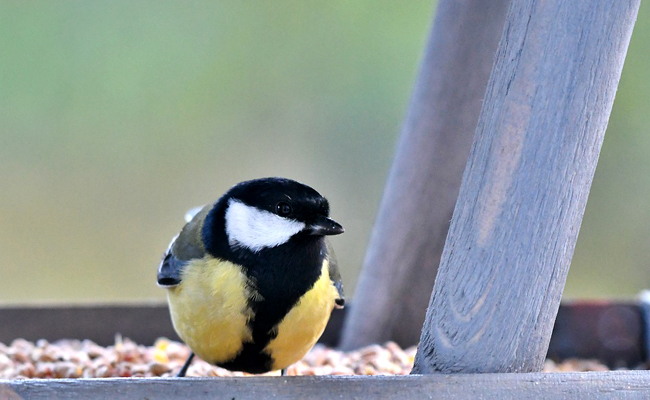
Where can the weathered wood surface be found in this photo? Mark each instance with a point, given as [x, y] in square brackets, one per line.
[594, 385]
[526, 185]
[407, 240]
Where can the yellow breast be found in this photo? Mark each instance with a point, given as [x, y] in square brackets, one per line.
[210, 312]
[304, 324]
[209, 309]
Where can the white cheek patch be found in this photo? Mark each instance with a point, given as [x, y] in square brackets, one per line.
[257, 229]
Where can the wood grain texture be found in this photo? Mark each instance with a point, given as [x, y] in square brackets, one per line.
[625, 385]
[525, 187]
[407, 240]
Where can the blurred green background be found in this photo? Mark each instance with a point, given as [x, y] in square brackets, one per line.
[118, 116]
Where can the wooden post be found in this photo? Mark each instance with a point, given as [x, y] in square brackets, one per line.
[525, 187]
[409, 234]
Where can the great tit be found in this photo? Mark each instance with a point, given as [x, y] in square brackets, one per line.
[251, 280]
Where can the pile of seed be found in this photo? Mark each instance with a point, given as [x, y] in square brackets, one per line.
[85, 359]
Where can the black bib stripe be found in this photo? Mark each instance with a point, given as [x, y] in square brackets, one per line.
[279, 282]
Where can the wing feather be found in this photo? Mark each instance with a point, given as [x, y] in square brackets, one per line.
[184, 247]
[335, 274]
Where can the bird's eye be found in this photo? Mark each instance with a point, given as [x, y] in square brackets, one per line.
[283, 209]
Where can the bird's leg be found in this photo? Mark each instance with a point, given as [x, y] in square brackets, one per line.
[183, 370]
[283, 372]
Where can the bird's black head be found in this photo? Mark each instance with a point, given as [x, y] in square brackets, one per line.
[266, 213]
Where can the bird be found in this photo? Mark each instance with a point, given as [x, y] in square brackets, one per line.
[251, 279]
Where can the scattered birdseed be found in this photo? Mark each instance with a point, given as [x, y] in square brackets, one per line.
[85, 359]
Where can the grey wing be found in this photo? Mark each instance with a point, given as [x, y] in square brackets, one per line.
[169, 271]
[183, 248]
[335, 274]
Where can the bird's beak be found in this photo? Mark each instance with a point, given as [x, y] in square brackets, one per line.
[325, 227]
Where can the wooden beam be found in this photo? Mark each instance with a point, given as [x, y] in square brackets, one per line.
[624, 385]
[526, 185]
[409, 233]
[141, 322]
[610, 332]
